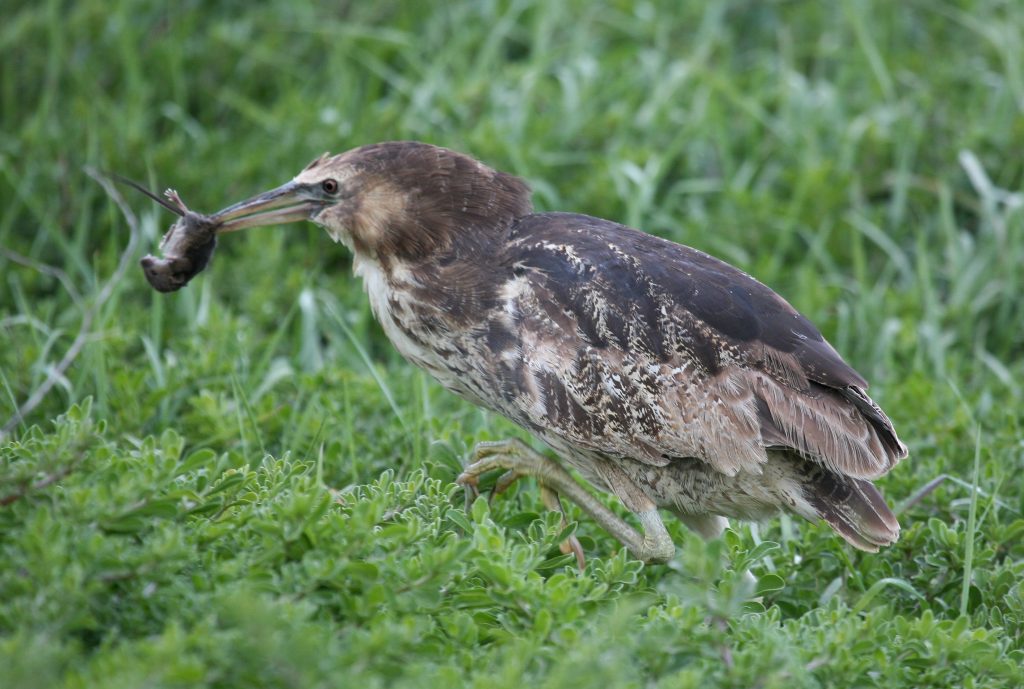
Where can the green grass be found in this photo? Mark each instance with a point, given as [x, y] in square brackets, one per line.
[241, 484]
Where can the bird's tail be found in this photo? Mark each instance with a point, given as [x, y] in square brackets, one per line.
[853, 507]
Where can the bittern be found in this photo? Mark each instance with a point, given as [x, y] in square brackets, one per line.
[661, 374]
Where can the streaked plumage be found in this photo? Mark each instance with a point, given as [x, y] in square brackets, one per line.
[660, 373]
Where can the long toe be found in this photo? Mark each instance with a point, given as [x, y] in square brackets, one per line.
[572, 545]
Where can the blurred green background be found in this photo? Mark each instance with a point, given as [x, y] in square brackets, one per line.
[254, 490]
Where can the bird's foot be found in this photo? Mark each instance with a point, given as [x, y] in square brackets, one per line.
[512, 455]
[550, 498]
[505, 481]
[656, 545]
[653, 545]
[519, 461]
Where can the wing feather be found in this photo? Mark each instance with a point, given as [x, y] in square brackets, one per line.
[638, 347]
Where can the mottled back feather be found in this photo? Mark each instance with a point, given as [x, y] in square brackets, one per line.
[633, 346]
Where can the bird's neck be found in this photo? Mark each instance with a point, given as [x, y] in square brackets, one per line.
[396, 300]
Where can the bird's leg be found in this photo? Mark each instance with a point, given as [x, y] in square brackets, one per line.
[654, 545]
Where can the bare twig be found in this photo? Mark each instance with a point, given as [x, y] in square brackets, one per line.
[57, 372]
[923, 492]
[47, 480]
[45, 269]
[724, 650]
[929, 487]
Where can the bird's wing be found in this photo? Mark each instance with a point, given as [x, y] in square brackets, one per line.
[624, 343]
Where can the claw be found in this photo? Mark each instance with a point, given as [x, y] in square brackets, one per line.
[469, 489]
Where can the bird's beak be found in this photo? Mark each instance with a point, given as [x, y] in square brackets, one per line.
[288, 203]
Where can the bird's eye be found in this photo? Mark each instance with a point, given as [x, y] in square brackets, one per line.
[330, 186]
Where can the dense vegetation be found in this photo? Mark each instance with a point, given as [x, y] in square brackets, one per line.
[241, 484]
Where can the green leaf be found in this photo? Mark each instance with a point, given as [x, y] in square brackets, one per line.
[195, 460]
[480, 509]
[769, 583]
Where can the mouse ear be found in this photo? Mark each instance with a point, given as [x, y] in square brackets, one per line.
[138, 187]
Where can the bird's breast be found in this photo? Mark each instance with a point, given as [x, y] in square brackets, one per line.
[420, 331]
[391, 297]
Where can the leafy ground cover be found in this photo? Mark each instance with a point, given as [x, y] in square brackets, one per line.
[242, 485]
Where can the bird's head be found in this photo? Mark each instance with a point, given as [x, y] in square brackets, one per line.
[398, 200]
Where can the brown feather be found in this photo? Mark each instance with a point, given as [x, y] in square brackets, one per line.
[854, 508]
